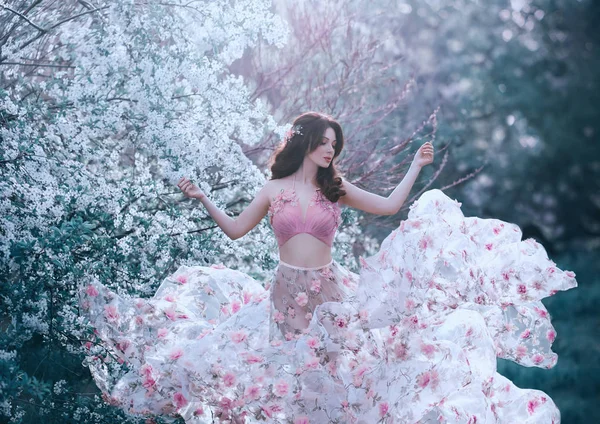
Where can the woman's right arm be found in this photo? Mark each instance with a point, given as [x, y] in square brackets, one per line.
[233, 228]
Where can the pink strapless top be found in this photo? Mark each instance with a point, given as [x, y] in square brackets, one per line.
[285, 215]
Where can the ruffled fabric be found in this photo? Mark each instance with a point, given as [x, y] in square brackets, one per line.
[412, 338]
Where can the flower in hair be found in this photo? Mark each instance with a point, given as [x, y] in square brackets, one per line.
[292, 131]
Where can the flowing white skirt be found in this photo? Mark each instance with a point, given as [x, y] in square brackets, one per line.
[412, 338]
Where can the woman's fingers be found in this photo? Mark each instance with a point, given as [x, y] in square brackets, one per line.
[184, 184]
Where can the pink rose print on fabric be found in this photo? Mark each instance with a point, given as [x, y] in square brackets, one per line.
[424, 318]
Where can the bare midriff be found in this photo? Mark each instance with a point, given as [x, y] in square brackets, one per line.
[304, 250]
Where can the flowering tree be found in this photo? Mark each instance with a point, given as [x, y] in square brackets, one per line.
[102, 108]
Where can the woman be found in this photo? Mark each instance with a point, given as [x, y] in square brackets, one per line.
[412, 338]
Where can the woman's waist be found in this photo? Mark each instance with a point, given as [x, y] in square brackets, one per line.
[305, 254]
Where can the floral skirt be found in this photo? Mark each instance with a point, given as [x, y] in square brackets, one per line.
[412, 338]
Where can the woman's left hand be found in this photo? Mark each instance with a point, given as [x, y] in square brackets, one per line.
[424, 155]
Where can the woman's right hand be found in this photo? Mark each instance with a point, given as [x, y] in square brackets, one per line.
[189, 189]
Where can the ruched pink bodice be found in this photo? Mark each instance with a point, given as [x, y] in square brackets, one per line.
[286, 216]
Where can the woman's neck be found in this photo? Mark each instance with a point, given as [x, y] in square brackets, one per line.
[307, 173]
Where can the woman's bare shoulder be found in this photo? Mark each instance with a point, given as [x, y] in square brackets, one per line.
[273, 187]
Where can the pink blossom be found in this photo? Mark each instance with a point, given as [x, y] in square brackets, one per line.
[267, 410]
[542, 313]
[238, 336]
[537, 359]
[308, 316]
[570, 274]
[236, 306]
[428, 349]
[123, 345]
[301, 299]
[247, 297]
[254, 359]
[148, 382]
[313, 343]
[252, 392]
[327, 272]
[176, 354]
[199, 411]
[363, 262]
[361, 370]
[139, 320]
[162, 332]
[532, 405]
[91, 291]
[110, 312]
[169, 298]
[208, 290]
[281, 388]
[383, 409]
[171, 314]
[278, 317]
[345, 404]
[425, 242]
[225, 403]
[408, 276]
[312, 363]
[301, 420]
[315, 286]
[551, 335]
[428, 378]
[229, 379]
[363, 314]
[289, 336]
[181, 279]
[401, 351]
[341, 322]
[489, 246]
[521, 351]
[412, 321]
[179, 400]
[525, 334]
[522, 289]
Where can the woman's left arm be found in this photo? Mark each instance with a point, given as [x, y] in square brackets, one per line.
[379, 205]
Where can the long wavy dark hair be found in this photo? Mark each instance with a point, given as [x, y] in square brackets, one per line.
[289, 155]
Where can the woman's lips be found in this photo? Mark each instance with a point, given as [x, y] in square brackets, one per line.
[327, 158]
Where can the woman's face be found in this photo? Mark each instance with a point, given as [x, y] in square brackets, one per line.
[323, 155]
